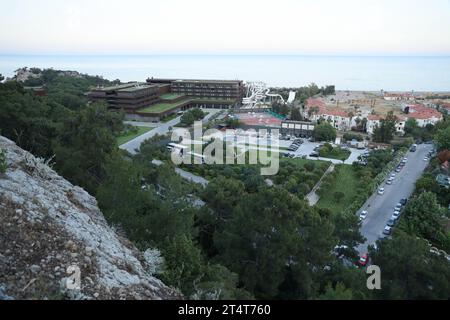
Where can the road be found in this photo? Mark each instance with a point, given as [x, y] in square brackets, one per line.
[162, 129]
[133, 145]
[191, 177]
[381, 207]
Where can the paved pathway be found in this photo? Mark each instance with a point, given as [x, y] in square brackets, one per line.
[162, 129]
[313, 197]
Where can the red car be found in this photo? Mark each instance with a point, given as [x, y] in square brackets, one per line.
[363, 260]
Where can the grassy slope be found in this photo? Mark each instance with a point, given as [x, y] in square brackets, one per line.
[347, 182]
[163, 106]
[125, 138]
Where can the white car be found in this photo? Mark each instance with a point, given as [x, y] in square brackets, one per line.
[390, 181]
[396, 214]
[381, 191]
[425, 159]
[363, 215]
[393, 175]
[387, 230]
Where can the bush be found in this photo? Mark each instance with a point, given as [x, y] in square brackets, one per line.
[324, 132]
[352, 136]
[189, 117]
[3, 164]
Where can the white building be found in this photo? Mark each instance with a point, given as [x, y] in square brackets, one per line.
[424, 115]
[374, 120]
[317, 110]
[399, 96]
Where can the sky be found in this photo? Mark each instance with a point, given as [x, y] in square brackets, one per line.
[306, 27]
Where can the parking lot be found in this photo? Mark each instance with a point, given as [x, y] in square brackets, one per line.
[307, 148]
[380, 208]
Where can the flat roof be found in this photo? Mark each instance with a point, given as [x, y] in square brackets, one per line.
[128, 87]
[195, 80]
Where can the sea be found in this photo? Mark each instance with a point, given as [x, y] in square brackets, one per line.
[359, 73]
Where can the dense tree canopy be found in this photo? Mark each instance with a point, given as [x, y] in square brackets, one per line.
[386, 130]
[324, 132]
[442, 139]
[409, 270]
[424, 217]
[273, 236]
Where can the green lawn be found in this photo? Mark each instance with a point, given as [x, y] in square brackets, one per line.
[122, 139]
[345, 181]
[170, 96]
[303, 162]
[335, 153]
[168, 118]
[162, 107]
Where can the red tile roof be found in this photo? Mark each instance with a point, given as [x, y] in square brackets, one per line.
[374, 117]
[419, 111]
[311, 102]
[323, 109]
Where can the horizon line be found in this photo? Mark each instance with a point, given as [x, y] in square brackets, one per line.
[229, 54]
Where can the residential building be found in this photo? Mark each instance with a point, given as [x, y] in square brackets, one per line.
[399, 96]
[128, 97]
[316, 110]
[221, 94]
[444, 107]
[423, 115]
[297, 128]
[374, 120]
[159, 98]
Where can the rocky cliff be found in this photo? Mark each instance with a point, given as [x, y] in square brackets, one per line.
[56, 244]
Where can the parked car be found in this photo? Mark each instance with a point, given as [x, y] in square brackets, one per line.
[387, 230]
[391, 222]
[363, 260]
[425, 159]
[390, 181]
[403, 201]
[398, 206]
[393, 175]
[396, 214]
[340, 250]
[314, 155]
[363, 215]
[381, 191]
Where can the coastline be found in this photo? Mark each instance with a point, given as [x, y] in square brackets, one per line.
[347, 73]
